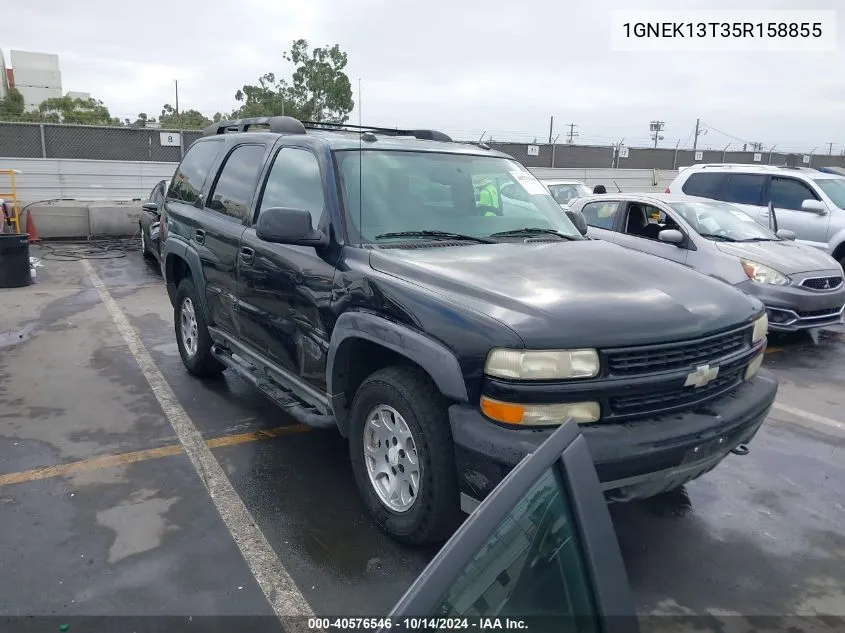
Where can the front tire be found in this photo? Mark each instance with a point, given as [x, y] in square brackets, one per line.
[192, 335]
[403, 456]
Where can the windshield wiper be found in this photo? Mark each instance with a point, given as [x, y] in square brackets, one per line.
[758, 239]
[529, 231]
[436, 235]
[713, 236]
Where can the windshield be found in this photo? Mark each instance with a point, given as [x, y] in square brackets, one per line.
[388, 192]
[834, 188]
[717, 219]
[565, 194]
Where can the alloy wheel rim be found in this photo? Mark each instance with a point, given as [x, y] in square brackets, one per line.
[188, 323]
[391, 458]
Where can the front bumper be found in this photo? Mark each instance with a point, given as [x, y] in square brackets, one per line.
[793, 308]
[635, 459]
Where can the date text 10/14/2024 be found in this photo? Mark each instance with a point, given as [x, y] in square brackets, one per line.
[480, 623]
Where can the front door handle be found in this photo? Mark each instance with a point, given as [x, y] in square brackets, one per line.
[247, 255]
[199, 236]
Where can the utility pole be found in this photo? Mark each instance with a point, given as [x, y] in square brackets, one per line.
[551, 128]
[830, 149]
[695, 139]
[178, 122]
[572, 132]
[656, 127]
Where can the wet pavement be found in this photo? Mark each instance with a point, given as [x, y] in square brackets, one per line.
[761, 534]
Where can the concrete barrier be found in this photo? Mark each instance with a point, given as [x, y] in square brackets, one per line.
[81, 219]
[120, 218]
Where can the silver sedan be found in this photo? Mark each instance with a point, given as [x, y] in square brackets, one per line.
[801, 286]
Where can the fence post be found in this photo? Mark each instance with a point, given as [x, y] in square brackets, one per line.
[554, 145]
[43, 141]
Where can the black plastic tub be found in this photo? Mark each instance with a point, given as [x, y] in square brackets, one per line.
[14, 260]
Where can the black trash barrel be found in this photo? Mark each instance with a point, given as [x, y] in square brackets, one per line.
[14, 260]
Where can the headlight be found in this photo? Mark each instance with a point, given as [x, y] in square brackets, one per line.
[761, 327]
[542, 364]
[540, 414]
[763, 274]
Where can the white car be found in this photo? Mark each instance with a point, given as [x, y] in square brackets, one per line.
[565, 192]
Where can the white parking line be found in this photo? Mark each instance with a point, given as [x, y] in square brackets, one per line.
[276, 583]
[807, 415]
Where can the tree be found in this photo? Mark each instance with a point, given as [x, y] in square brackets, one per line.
[319, 89]
[74, 110]
[187, 120]
[12, 107]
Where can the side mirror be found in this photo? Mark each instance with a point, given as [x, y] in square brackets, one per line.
[671, 236]
[281, 225]
[816, 206]
[786, 234]
[578, 220]
[151, 208]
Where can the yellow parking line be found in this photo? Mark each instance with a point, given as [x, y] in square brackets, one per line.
[121, 459]
[773, 350]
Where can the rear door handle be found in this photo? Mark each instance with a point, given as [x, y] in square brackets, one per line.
[199, 236]
[247, 255]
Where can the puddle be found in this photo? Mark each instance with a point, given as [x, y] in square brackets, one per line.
[20, 335]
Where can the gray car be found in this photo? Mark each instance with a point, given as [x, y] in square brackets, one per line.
[801, 286]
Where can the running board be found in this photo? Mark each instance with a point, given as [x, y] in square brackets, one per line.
[281, 397]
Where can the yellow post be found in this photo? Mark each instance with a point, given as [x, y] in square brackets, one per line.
[11, 197]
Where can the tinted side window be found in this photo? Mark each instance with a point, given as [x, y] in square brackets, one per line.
[742, 188]
[188, 180]
[600, 214]
[236, 183]
[703, 184]
[295, 182]
[786, 193]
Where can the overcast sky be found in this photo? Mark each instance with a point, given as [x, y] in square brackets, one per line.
[462, 66]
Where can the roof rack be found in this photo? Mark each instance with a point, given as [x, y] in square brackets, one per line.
[277, 124]
[424, 135]
[290, 125]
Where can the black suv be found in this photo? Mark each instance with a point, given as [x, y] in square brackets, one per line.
[379, 283]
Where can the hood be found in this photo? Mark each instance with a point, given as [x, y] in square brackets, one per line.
[587, 293]
[786, 257]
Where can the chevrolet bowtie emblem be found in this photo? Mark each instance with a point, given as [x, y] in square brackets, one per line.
[702, 376]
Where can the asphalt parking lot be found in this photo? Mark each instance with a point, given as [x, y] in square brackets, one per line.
[102, 511]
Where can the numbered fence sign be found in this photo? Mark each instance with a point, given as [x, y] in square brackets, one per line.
[623, 152]
[699, 156]
[758, 157]
[533, 150]
[806, 160]
[170, 139]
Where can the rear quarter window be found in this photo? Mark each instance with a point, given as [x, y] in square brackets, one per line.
[600, 214]
[703, 185]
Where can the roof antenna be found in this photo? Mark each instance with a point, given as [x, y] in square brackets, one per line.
[360, 170]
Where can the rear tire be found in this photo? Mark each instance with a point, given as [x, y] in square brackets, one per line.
[192, 335]
[406, 395]
[145, 250]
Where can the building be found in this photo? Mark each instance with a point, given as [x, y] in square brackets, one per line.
[6, 79]
[36, 76]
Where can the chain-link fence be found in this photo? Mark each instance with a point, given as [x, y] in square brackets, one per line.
[46, 140]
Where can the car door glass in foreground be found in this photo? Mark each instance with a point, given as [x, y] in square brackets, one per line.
[742, 189]
[295, 182]
[532, 565]
[190, 175]
[233, 191]
[786, 193]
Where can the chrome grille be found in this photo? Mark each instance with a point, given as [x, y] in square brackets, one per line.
[657, 358]
[823, 283]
